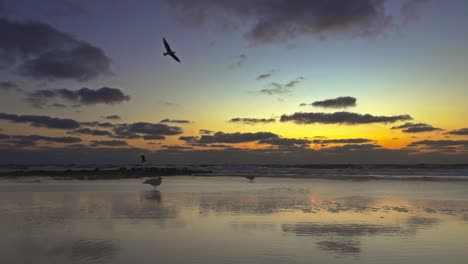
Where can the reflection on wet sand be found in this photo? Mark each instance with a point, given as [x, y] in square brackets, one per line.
[86, 250]
[248, 223]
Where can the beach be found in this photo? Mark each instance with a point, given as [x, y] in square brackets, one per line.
[229, 219]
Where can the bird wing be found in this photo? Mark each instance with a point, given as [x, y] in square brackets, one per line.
[175, 57]
[166, 45]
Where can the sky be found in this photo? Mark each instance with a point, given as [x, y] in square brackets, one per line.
[262, 81]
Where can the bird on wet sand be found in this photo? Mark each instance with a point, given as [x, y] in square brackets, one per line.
[250, 177]
[143, 159]
[169, 51]
[154, 181]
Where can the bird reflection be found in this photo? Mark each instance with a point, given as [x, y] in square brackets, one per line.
[153, 195]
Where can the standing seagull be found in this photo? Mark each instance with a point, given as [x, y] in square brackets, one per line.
[169, 51]
[155, 181]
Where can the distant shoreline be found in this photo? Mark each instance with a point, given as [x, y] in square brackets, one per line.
[142, 172]
[97, 174]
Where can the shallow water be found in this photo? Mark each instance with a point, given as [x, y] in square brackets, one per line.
[232, 220]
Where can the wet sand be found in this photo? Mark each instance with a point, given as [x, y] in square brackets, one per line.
[232, 220]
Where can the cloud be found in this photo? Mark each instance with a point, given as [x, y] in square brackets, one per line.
[109, 143]
[286, 142]
[153, 137]
[31, 140]
[41, 121]
[146, 130]
[221, 137]
[347, 118]
[83, 96]
[265, 75]
[175, 147]
[459, 132]
[98, 124]
[81, 63]
[240, 61]
[342, 141]
[93, 132]
[284, 20]
[252, 121]
[416, 128]
[302, 104]
[112, 117]
[352, 147]
[339, 102]
[44, 52]
[9, 86]
[57, 105]
[439, 143]
[276, 88]
[205, 132]
[233, 138]
[174, 121]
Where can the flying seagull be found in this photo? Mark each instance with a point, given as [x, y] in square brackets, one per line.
[169, 51]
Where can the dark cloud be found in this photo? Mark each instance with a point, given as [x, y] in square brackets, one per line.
[189, 139]
[252, 121]
[416, 128]
[342, 141]
[439, 143]
[145, 130]
[47, 139]
[174, 121]
[109, 143]
[302, 104]
[153, 137]
[347, 118]
[265, 75]
[21, 141]
[459, 132]
[286, 142]
[46, 53]
[93, 132]
[41, 121]
[205, 132]
[98, 124]
[57, 105]
[339, 102]
[175, 147]
[83, 96]
[353, 147]
[112, 117]
[284, 20]
[81, 63]
[276, 88]
[9, 86]
[221, 137]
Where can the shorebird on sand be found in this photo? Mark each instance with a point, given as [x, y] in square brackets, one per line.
[155, 181]
[250, 177]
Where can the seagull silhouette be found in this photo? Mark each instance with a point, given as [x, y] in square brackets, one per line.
[169, 51]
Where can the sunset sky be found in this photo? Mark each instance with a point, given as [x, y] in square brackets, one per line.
[261, 81]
